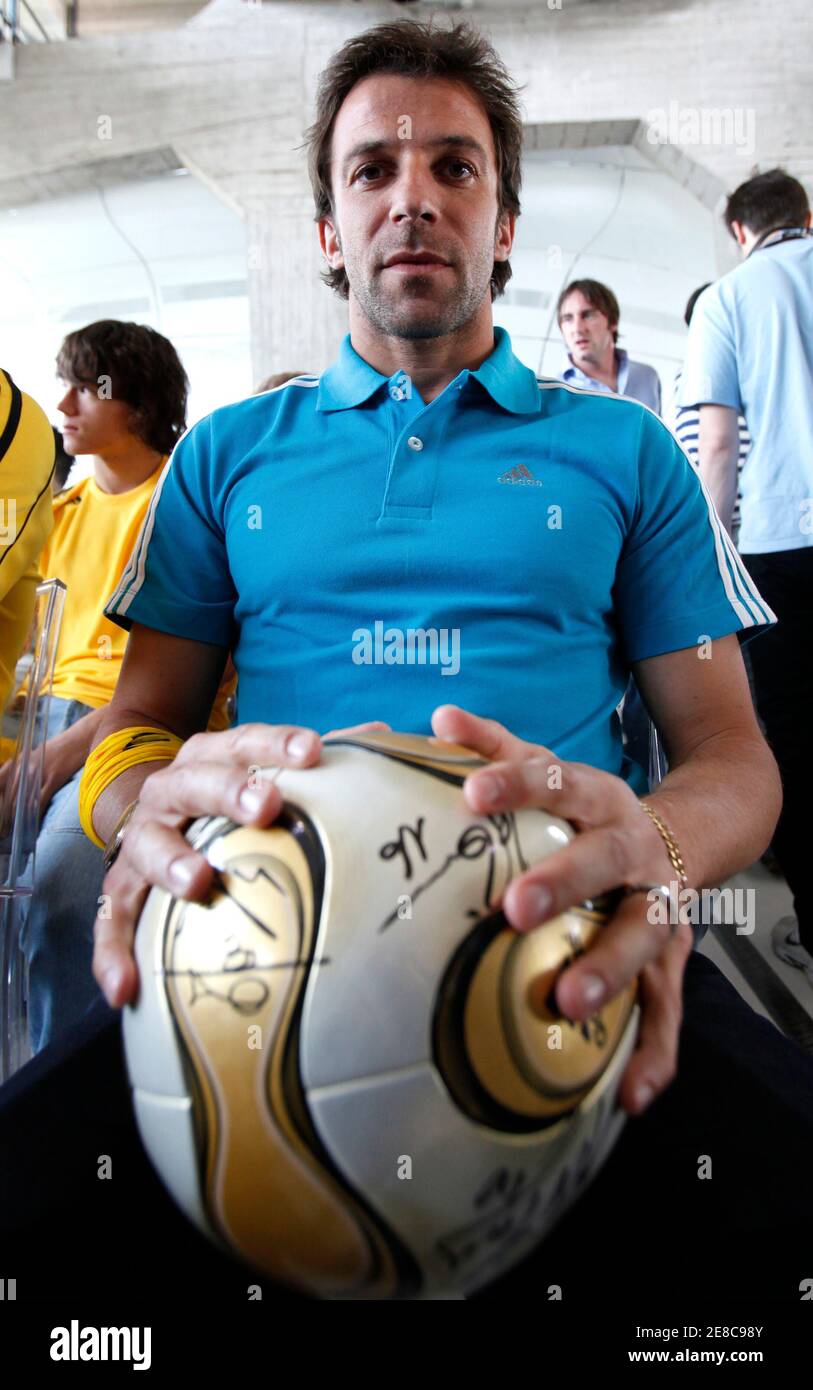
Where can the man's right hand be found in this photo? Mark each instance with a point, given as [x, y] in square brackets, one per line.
[211, 776]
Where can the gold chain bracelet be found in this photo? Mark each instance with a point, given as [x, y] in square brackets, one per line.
[675, 856]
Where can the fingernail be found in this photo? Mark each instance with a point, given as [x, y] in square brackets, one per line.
[592, 989]
[643, 1095]
[182, 871]
[298, 745]
[490, 788]
[538, 902]
[250, 801]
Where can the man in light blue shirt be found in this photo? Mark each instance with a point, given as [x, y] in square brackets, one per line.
[750, 351]
[588, 317]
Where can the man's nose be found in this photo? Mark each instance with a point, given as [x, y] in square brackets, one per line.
[413, 198]
[68, 401]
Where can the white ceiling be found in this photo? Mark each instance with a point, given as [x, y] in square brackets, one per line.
[99, 17]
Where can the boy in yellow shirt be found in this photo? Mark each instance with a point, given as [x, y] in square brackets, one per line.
[125, 404]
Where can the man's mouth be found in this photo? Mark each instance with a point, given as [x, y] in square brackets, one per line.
[417, 267]
[415, 260]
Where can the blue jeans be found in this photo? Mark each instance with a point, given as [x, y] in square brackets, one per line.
[57, 934]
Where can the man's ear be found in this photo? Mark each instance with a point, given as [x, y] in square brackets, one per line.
[738, 232]
[330, 243]
[504, 235]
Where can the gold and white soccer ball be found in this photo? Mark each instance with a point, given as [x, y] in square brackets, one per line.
[345, 1065]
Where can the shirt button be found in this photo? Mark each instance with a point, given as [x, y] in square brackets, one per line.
[414, 442]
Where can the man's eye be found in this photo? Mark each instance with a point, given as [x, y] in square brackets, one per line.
[463, 164]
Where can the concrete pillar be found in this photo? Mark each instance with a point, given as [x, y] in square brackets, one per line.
[297, 323]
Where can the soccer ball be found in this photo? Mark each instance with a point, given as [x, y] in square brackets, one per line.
[345, 1065]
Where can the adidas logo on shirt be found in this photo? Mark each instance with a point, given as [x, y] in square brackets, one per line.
[520, 474]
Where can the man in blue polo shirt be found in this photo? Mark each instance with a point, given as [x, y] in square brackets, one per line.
[527, 544]
[750, 351]
[466, 522]
[426, 482]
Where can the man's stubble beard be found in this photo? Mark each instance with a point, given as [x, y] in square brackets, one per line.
[593, 356]
[395, 318]
[589, 358]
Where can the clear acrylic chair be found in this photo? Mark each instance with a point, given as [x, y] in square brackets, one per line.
[19, 823]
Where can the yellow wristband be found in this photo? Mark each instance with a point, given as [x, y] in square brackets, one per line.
[143, 743]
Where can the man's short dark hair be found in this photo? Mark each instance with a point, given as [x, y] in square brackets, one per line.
[766, 202]
[692, 300]
[600, 296]
[405, 48]
[144, 370]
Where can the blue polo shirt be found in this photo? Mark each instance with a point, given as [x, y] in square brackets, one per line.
[512, 547]
[635, 379]
[751, 348]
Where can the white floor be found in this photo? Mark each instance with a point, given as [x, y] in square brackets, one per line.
[771, 900]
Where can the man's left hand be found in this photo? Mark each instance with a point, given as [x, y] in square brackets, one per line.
[618, 845]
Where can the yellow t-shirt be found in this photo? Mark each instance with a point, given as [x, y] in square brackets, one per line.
[26, 517]
[93, 537]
